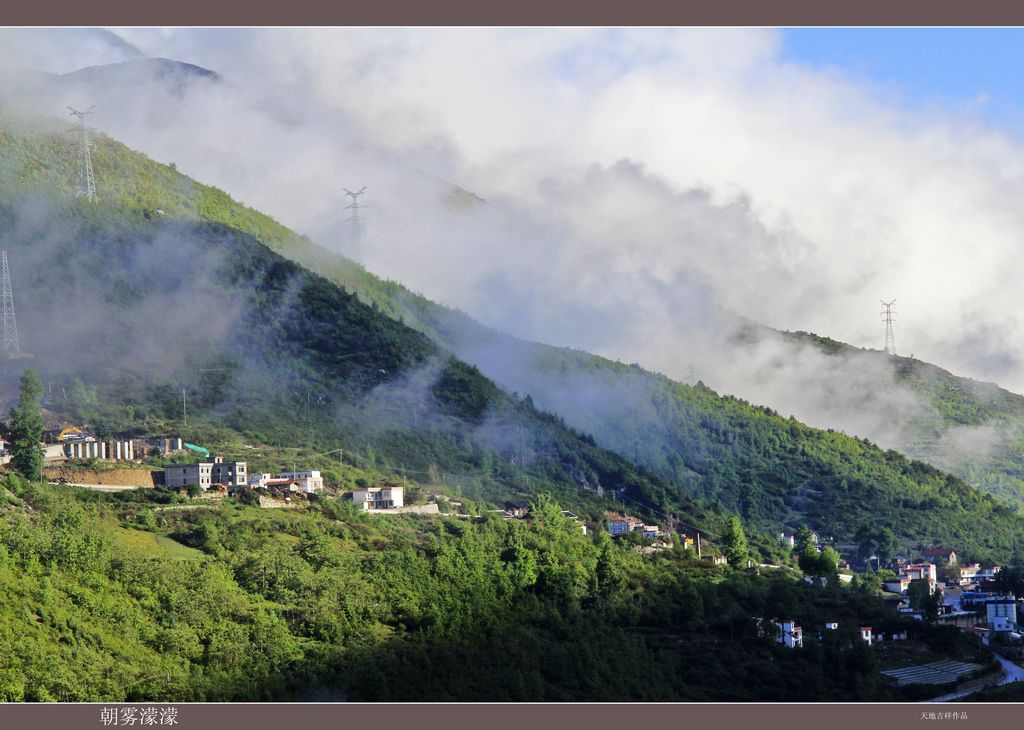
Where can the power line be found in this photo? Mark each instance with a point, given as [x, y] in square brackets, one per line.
[888, 316]
[10, 325]
[356, 221]
[86, 180]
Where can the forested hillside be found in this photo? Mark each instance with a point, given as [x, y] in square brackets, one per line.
[133, 316]
[180, 282]
[970, 428]
[330, 604]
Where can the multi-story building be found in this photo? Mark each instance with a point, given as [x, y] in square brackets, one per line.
[229, 473]
[177, 476]
[968, 573]
[379, 497]
[205, 474]
[920, 571]
[618, 527]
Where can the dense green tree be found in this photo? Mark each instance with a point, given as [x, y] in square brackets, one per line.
[609, 575]
[877, 540]
[828, 562]
[804, 541]
[923, 599]
[734, 543]
[1010, 580]
[27, 428]
[83, 401]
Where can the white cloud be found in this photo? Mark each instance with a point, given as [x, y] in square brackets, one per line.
[636, 179]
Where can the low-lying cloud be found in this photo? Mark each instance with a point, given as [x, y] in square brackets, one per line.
[642, 187]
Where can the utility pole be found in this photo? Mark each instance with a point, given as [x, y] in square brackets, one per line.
[356, 221]
[887, 318]
[10, 325]
[184, 412]
[698, 544]
[86, 181]
[636, 453]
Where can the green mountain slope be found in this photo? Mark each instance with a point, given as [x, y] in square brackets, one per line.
[149, 300]
[182, 283]
[331, 604]
[969, 428]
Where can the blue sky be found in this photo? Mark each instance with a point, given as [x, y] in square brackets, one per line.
[951, 67]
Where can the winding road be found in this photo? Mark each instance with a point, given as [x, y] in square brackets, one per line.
[1012, 672]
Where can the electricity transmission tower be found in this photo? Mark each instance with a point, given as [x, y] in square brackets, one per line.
[887, 317]
[356, 221]
[10, 326]
[86, 181]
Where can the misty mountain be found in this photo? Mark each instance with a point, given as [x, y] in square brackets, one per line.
[170, 74]
[970, 428]
[163, 281]
[856, 391]
[41, 48]
[162, 290]
[104, 84]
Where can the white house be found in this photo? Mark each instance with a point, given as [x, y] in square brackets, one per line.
[865, 634]
[371, 498]
[309, 481]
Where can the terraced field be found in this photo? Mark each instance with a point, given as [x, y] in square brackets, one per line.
[941, 672]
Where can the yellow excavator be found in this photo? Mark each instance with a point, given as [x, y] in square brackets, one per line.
[72, 433]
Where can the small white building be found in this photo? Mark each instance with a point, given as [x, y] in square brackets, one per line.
[790, 634]
[865, 634]
[899, 585]
[831, 625]
[373, 498]
[309, 481]
[259, 480]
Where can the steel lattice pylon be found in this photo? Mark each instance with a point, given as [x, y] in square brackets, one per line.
[86, 180]
[10, 325]
[356, 221]
[887, 318]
